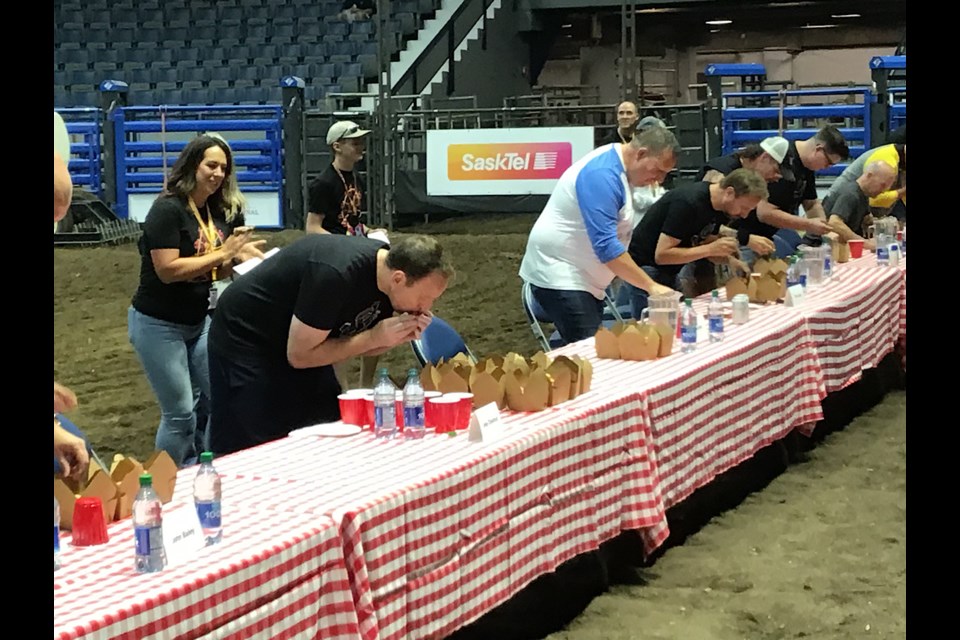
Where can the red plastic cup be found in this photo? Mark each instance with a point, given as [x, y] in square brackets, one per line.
[89, 522]
[466, 409]
[352, 410]
[365, 397]
[429, 419]
[445, 413]
[856, 248]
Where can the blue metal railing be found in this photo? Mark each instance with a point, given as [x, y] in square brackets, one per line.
[745, 125]
[84, 162]
[140, 162]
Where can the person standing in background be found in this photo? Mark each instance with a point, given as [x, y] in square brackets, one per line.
[192, 237]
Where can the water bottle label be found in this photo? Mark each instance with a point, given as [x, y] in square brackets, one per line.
[209, 513]
[716, 324]
[56, 538]
[413, 416]
[147, 539]
[826, 265]
[688, 334]
[803, 279]
[883, 253]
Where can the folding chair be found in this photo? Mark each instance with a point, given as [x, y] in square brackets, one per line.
[439, 341]
[536, 315]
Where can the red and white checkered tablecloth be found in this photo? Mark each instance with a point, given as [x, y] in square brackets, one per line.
[225, 589]
[870, 261]
[348, 537]
[855, 318]
[713, 408]
[455, 528]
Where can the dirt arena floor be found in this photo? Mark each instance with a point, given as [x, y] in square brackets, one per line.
[819, 553]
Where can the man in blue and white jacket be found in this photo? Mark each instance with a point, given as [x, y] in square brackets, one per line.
[579, 242]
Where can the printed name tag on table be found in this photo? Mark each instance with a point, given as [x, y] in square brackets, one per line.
[182, 535]
[794, 296]
[484, 421]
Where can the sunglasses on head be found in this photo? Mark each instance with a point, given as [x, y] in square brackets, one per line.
[349, 132]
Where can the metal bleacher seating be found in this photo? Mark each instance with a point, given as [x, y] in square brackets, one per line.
[164, 49]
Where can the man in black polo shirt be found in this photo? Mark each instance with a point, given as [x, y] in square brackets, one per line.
[684, 226]
[798, 186]
[279, 329]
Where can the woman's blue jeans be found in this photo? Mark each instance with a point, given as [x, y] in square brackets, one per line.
[174, 357]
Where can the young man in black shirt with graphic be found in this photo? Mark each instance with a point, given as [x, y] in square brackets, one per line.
[684, 226]
[335, 197]
[279, 329]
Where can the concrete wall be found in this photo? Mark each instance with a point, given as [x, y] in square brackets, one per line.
[806, 59]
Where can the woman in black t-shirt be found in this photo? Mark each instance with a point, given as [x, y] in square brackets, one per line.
[191, 239]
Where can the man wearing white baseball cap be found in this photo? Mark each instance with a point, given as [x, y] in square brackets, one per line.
[335, 197]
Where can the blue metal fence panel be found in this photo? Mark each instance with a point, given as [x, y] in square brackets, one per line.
[743, 125]
[141, 161]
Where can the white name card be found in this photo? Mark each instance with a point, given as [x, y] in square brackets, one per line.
[794, 295]
[248, 265]
[182, 535]
[483, 418]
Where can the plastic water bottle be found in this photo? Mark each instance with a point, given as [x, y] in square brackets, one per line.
[206, 497]
[688, 327]
[883, 250]
[56, 534]
[827, 248]
[793, 272]
[384, 407]
[413, 399]
[894, 254]
[148, 528]
[715, 317]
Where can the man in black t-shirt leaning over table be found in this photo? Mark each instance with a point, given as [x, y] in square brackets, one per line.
[684, 226]
[279, 329]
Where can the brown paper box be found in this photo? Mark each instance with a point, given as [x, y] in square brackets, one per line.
[126, 473]
[451, 381]
[607, 344]
[527, 393]
[487, 388]
[164, 471]
[736, 286]
[573, 368]
[560, 378]
[100, 485]
[429, 378]
[639, 342]
[586, 373]
[540, 360]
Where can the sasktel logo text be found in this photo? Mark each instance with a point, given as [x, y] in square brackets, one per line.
[508, 161]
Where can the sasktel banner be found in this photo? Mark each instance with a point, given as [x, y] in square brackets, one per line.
[492, 162]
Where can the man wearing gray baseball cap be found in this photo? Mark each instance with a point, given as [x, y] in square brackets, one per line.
[335, 197]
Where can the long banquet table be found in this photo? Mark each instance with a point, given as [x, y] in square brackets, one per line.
[352, 537]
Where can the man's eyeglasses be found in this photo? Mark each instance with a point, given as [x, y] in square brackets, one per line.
[826, 156]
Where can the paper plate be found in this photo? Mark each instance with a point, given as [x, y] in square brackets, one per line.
[329, 430]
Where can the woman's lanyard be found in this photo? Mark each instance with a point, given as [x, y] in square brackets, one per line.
[209, 230]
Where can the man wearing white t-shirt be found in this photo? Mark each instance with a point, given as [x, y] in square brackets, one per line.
[579, 242]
